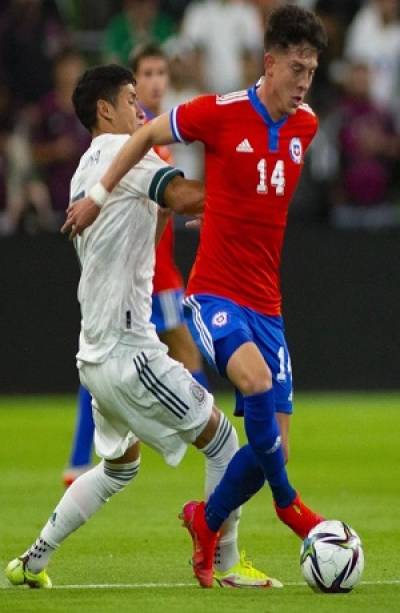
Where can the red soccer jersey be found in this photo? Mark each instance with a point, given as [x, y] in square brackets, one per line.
[252, 167]
[166, 273]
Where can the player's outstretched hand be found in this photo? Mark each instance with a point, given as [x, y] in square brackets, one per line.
[80, 215]
[196, 223]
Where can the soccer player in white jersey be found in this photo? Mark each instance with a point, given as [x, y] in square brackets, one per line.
[138, 391]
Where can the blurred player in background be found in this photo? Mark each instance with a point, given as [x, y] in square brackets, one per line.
[138, 390]
[255, 142]
[150, 69]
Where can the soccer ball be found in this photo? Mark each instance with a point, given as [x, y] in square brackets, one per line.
[332, 558]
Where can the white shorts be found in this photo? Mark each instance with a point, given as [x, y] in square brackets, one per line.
[147, 396]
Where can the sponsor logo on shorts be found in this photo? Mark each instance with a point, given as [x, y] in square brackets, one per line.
[220, 319]
[198, 392]
[296, 150]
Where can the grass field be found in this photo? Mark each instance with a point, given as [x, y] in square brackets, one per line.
[133, 556]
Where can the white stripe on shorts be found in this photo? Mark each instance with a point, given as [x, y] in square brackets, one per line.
[200, 326]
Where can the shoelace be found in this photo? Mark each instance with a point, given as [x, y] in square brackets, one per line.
[248, 564]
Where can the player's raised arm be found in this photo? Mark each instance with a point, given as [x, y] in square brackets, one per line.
[156, 132]
[180, 195]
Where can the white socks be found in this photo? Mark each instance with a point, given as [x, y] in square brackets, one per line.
[81, 500]
[218, 454]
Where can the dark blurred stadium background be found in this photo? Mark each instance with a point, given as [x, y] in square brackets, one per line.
[341, 262]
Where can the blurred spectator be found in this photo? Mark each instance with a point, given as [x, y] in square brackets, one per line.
[374, 38]
[367, 146]
[228, 37]
[138, 22]
[182, 87]
[5, 131]
[344, 9]
[175, 8]
[59, 139]
[325, 89]
[32, 34]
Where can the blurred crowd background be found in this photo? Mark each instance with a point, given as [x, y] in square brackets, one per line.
[351, 178]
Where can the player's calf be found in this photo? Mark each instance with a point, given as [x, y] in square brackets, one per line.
[81, 500]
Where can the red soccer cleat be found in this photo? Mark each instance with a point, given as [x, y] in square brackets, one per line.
[204, 541]
[298, 517]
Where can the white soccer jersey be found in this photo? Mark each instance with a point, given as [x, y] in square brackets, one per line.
[117, 251]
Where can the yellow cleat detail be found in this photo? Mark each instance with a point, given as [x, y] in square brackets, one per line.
[243, 574]
[17, 574]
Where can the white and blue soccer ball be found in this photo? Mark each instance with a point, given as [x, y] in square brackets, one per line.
[332, 558]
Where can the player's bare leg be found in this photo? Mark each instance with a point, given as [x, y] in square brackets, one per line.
[182, 348]
[83, 498]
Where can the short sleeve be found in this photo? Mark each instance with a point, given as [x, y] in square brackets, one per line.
[149, 178]
[195, 120]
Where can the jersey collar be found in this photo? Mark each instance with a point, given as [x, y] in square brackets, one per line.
[261, 109]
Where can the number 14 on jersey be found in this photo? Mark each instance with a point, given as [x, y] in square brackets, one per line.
[277, 177]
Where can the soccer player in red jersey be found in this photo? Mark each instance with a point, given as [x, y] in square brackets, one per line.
[255, 142]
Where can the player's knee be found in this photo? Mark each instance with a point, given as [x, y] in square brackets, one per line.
[119, 475]
[256, 381]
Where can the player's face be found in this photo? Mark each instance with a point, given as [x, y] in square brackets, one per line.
[127, 114]
[289, 75]
[151, 81]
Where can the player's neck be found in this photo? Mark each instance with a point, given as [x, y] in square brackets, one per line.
[269, 100]
[101, 131]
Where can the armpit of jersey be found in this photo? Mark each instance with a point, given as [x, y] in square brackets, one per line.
[160, 181]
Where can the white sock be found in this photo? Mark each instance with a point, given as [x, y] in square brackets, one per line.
[218, 454]
[81, 500]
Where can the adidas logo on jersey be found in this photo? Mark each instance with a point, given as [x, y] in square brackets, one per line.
[244, 147]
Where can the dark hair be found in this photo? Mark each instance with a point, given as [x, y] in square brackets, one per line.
[98, 83]
[292, 25]
[141, 52]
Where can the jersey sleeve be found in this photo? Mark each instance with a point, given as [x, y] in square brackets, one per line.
[195, 120]
[149, 178]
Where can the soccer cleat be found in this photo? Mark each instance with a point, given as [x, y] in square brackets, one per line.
[204, 541]
[298, 517]
[71, 473]
[243, 574]
[17, 574]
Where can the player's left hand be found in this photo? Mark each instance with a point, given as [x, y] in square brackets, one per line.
[80, 215]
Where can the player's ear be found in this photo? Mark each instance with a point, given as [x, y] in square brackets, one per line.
[104, 110]
[269, 62]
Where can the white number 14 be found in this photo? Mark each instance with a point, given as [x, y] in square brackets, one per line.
[277, 177]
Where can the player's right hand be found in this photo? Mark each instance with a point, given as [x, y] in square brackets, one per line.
[80, 215]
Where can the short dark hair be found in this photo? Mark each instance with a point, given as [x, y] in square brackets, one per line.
[292, 25]
[141, 52]
[98, 83]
